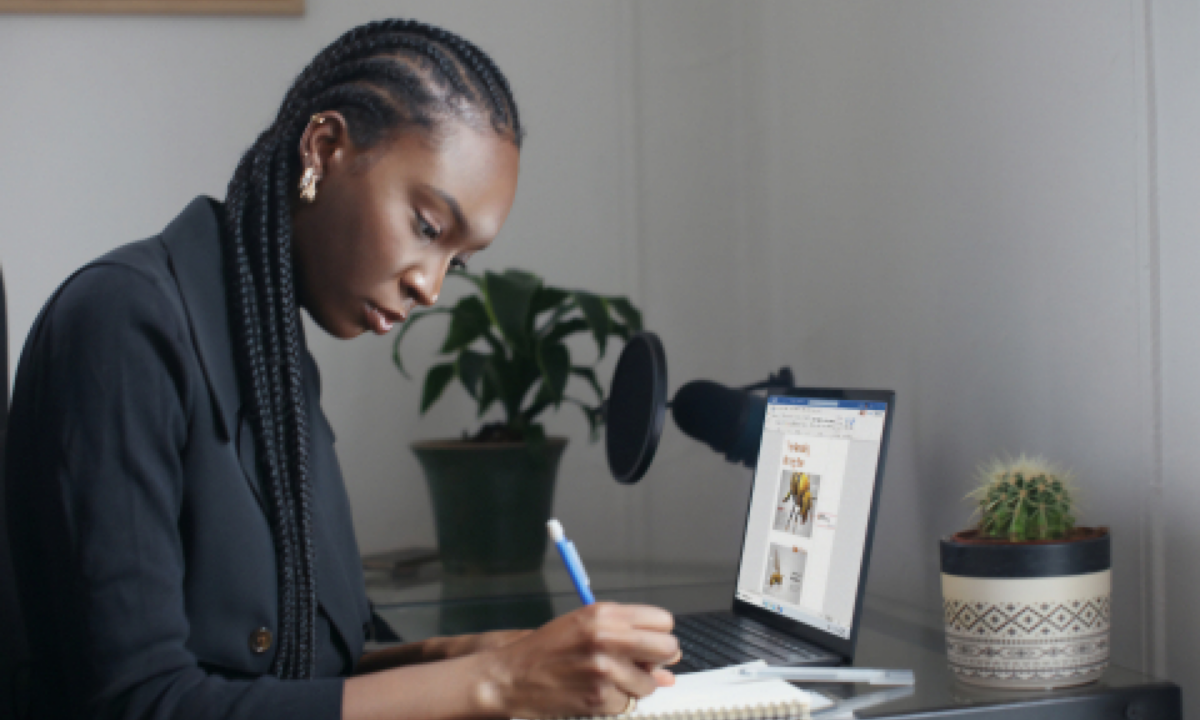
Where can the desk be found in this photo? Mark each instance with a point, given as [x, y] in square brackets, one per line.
[429, 604]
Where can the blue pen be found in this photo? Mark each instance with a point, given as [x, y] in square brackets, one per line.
[566, 549]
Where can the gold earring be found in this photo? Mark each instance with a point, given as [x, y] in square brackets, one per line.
[308, 185]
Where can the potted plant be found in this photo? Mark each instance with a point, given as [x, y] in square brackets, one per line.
[1026, 592]
[506, 345]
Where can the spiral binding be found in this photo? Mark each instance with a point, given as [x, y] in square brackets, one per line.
[787, 710]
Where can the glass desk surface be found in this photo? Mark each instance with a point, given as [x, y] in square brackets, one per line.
[430, 585]
[890, 637]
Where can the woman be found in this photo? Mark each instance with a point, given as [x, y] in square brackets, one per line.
[179, 524]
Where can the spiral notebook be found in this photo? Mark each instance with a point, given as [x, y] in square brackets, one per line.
[726, 695]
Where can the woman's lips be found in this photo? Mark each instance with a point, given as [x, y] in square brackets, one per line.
[380, 321]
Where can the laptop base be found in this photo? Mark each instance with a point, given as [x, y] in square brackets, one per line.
[720, 639]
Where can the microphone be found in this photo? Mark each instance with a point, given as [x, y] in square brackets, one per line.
[728, 420]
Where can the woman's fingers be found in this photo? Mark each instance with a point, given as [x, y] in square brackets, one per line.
[641, 632]
[616, 702]
[645, 617]
[628, 677]
[662, 676]
[640, 646]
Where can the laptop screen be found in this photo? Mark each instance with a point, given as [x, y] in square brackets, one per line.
[810, 509]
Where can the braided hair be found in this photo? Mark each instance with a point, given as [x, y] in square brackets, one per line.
[383, 77]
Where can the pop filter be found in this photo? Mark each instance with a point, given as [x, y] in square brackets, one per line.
[636, 407]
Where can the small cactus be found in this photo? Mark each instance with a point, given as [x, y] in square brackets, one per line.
[1026, 498]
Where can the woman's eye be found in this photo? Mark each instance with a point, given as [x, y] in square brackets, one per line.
[427, 230]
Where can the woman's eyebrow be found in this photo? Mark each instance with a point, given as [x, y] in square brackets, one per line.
[455, 208]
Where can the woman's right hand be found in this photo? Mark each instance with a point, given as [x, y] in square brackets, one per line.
[588, 662]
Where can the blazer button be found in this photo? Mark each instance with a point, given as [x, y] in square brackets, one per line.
[260, 641]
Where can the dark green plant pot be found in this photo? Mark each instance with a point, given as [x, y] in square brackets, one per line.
[491, 502]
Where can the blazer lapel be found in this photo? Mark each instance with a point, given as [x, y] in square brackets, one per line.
[193, 242]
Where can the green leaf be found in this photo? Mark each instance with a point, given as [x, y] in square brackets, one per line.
[494, 375]
[474, 279]
[404, 328]
[631, 315]
[435, 384]
[595, 311]
[468, 322]
[469, 368]
[547, 298]
[594, 415]
[512, 379]
[563, 330]
[487, 392]
[590, 375]
[556, 317]
[522, 276]
[554, 362]
[540, 403]
[509, 298]
[497, 345]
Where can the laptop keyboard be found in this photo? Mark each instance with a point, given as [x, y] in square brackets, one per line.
[720, 639]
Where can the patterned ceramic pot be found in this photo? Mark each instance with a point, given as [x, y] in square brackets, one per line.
[1027, 615]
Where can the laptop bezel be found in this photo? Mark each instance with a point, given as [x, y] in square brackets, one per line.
[843, 647]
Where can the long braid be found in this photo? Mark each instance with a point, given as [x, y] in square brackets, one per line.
[247, 321]
[298, 427]
[383, 77]
[281, 408]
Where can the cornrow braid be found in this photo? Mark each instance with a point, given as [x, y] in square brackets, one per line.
[383, 77]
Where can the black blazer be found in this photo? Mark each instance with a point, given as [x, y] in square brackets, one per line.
[144, 558]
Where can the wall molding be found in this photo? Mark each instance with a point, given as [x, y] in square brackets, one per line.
[154, 7]
[1149, 297]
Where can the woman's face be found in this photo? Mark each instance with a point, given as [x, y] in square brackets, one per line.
[389, 222]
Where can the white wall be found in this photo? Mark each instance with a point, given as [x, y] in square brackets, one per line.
[989, 207]
[955, 214]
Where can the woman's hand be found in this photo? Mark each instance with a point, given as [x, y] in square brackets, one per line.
[461, 645]
[588, 662]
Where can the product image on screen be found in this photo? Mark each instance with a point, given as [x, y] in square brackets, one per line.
[796, 510]
[785, 573]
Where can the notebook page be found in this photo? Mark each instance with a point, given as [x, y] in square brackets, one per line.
[724, 688]
[698, 695]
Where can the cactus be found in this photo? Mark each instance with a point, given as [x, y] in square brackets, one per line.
[1024, 499]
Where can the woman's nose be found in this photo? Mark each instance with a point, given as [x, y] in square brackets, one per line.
[423, 285]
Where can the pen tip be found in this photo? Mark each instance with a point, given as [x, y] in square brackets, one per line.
[556, 530]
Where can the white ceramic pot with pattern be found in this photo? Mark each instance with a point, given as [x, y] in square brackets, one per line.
[1027, 615]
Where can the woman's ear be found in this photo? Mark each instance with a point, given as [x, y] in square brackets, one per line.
[324, 142]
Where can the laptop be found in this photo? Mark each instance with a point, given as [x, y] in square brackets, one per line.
[807, 539]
